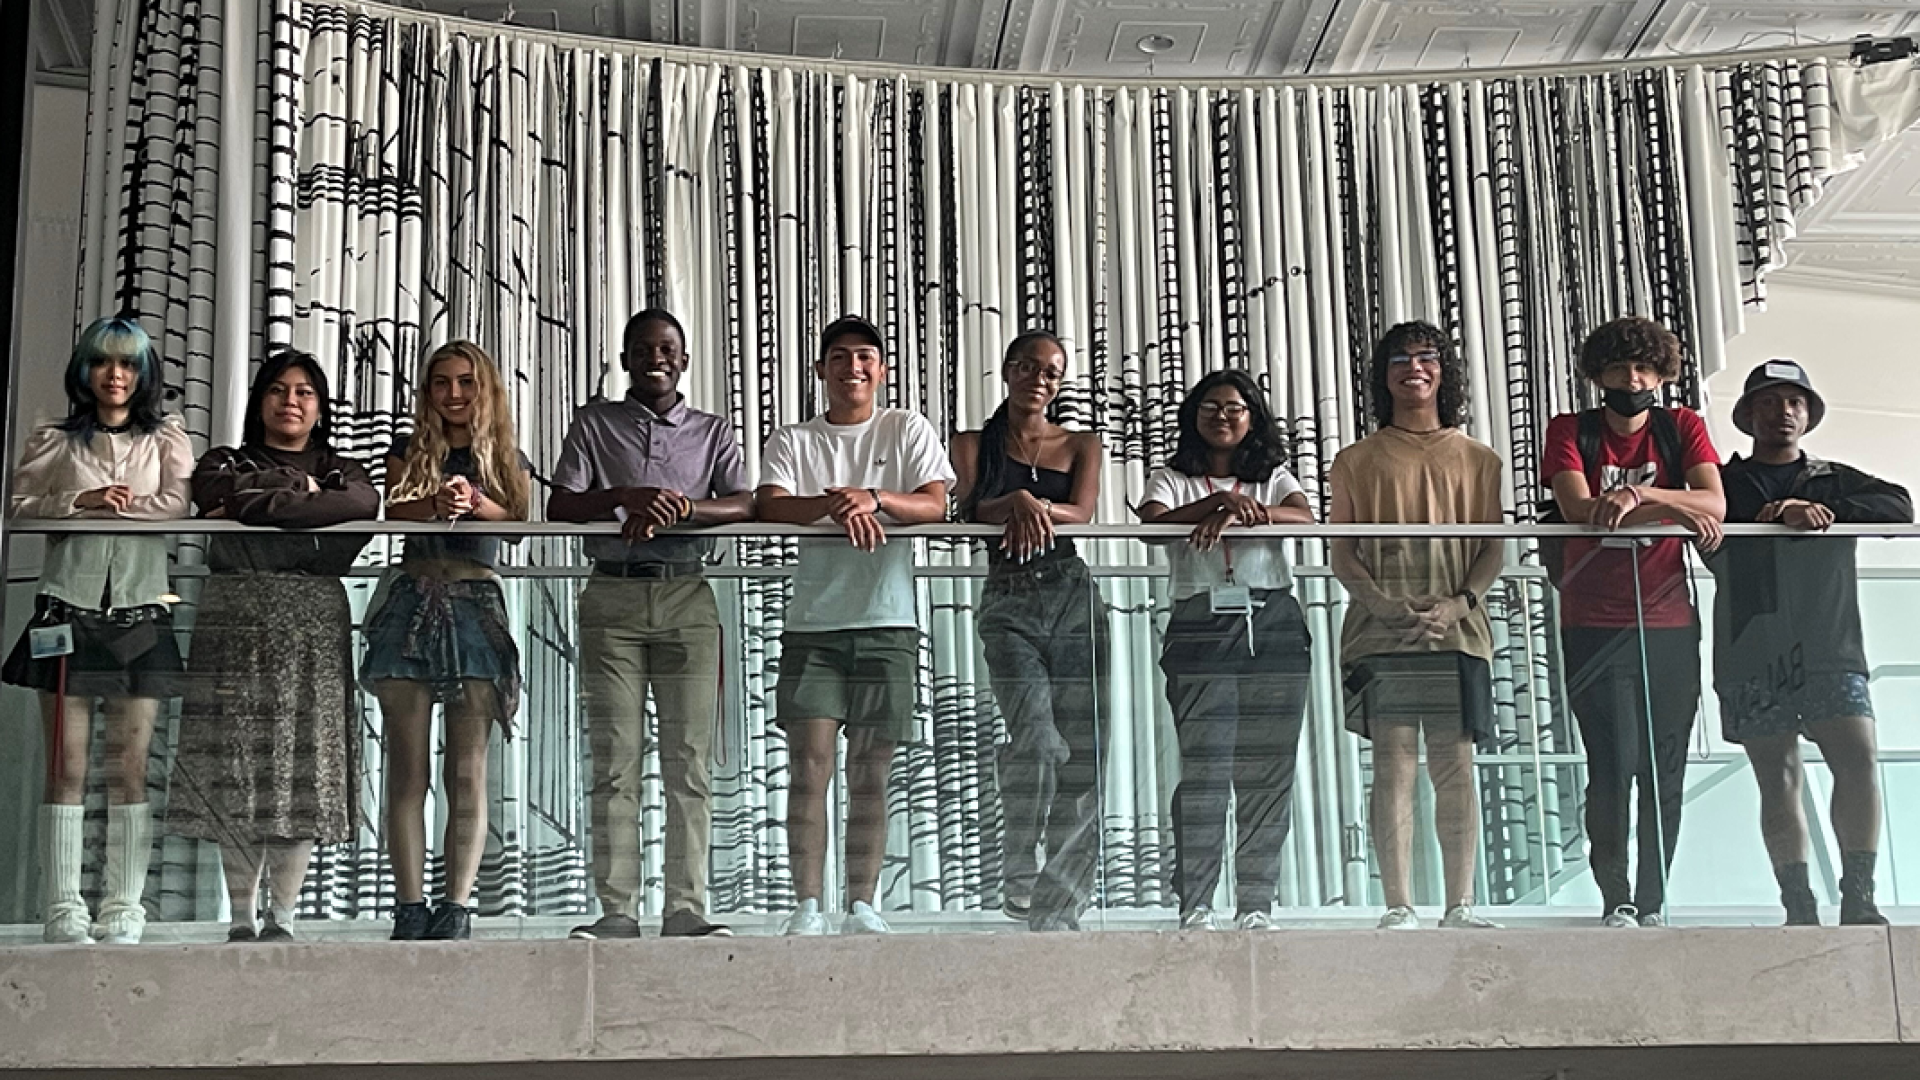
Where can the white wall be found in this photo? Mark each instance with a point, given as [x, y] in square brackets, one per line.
[1858, 347]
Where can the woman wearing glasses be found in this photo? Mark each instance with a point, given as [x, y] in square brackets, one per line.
[1236, 647]
[1044, 628]
[1416, 641]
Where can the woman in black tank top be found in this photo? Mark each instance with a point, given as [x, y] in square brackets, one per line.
[1043, 626]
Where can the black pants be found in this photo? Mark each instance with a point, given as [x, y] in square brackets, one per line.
[1045, 634]
[1238, 717]
[1610, 698]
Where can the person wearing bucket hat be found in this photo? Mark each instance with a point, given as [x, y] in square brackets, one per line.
[1628, 628]
[1788, 655]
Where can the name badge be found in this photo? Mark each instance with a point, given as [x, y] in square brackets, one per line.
[46, 642]
[1230, 599]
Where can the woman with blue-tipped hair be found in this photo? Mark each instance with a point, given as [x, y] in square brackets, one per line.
[101, 628]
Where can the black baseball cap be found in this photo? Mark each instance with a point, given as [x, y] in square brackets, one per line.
[1777, 373]
[854, 325]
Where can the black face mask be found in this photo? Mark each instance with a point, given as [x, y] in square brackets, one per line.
[1630, 402]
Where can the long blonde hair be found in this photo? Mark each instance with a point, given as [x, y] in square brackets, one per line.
[496, 456]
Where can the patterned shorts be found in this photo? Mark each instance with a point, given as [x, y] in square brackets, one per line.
[1758, 711]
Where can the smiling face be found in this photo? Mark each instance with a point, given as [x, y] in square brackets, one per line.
[655, 357]
[1034, 374]
[1223, 418]
[1413, 377]
[853, 370]
[452, 390]
[1778, 416]
[113, 381]
[290, 408]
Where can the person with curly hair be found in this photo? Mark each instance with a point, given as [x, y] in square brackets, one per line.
[441, 637]
[1628, 629]
[1416, 644]
[1236, 651]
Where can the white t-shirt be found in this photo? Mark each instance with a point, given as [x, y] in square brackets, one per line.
[1257, 564]
[837, 586]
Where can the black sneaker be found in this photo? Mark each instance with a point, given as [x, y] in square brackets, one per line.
[450, 922]
[273, 931]
[606, 927]
[238, 934]
[686, 923]
[410, 921]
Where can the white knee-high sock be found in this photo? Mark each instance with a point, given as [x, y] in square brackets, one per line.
[62, 845]
[129, 844]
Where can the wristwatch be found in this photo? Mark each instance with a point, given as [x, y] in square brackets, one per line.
[1473, 602]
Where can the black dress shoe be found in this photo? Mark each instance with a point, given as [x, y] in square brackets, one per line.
[607, 927]
[686, 923]
[450, 922]
[240, 934]
[410, 921]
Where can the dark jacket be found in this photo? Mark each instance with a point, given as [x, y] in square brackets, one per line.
[1790, 607]
[255, 485]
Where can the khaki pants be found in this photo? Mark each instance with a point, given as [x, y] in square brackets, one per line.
[637, 633]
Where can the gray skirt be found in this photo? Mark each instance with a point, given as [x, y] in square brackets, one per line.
[269, 724]
[1406, 688]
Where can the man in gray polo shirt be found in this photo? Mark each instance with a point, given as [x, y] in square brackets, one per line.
[648, 617]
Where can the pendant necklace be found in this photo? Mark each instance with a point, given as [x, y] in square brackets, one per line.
[1033, 466]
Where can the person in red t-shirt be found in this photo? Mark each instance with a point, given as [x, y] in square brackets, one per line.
[1628, 628]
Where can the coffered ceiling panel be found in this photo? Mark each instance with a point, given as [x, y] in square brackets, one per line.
[1377, 35]
[1687, 26]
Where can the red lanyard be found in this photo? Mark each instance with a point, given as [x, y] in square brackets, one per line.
[1226, 549]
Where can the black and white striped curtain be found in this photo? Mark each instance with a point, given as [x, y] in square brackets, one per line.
[418, 179]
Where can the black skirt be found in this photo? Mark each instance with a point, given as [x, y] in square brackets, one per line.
[127, 653]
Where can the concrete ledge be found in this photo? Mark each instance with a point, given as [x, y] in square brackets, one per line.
[964, 1000]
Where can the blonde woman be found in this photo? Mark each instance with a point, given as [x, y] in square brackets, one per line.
[441, 637]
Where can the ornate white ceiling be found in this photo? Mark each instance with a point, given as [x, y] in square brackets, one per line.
[1866, 231]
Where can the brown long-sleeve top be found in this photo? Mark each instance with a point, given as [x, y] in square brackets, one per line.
[257, 485]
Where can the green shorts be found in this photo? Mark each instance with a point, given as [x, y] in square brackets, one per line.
[862, 678]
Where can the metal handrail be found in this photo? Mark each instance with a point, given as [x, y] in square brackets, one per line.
[951, 531]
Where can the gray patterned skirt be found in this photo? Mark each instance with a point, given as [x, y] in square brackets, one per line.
[269, 724]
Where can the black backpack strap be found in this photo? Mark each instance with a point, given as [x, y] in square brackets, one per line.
[1666, 443]
[1592, 429]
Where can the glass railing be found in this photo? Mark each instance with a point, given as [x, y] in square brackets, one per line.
[1084, 740]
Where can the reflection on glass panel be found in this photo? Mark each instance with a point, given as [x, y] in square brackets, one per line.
[1056, 772]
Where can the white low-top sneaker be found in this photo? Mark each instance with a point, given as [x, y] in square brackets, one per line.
[1200, 918]
[1623, 917]
[1400, 918]
[808, 921]
[862, 919]
[1461, 917]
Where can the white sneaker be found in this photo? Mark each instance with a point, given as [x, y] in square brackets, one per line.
[1461, 917]
[1254, 920]
[806, 922]
[1653, 920]
[862, 919]
[67, 925]
[1200, 918]
[1623, 917]
[120, 925]
[1399, 918]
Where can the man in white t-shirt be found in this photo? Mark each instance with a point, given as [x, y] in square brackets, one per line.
[851, 650]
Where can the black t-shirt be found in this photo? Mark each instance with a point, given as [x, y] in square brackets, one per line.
[1762, 484]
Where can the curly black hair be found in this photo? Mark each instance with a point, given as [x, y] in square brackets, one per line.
[1453, 374]
[1631, 340]
[1263, 450]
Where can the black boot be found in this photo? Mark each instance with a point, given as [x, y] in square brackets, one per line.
[1856, 890]
[410, 921]
[1796, 895]
[451, 922]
